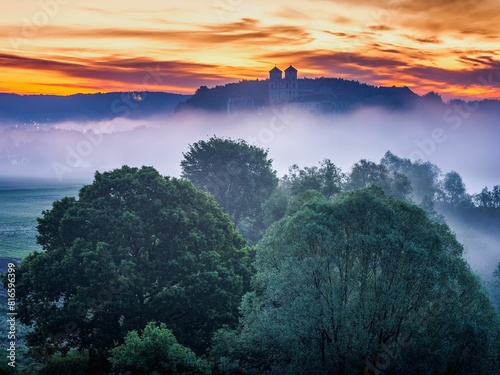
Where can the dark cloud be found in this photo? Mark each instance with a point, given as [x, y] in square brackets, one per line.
[338, 34]
[424, 40]
[380, 28]
[132, 72]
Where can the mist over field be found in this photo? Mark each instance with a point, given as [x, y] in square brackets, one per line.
[463, 139]
[466, 142]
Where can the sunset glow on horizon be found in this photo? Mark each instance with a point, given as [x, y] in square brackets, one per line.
[74, 46]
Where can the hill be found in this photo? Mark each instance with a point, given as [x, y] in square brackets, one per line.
[48, 109]
[322, 91]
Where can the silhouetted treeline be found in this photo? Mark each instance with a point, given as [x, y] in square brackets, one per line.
[49, 109]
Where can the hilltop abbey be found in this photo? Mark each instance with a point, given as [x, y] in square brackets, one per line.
[294, 94]
[284, 89]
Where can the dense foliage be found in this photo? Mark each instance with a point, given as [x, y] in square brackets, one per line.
[495, 287]
[155, 351]
[134, 247]
[327, 179]
[339, 281]
[238, 175]
[354, 272]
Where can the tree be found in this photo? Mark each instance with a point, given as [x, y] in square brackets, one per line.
[495, 195]
[155, 351]
[454, 188]
[341, 283]
[495, 287]
[69, 364]
[366, 173]
[134, 247]
[423, 176]
[327, 179]
[238, 175]
[275, 207]
[484, 198]
[432, 98]
[487, 198]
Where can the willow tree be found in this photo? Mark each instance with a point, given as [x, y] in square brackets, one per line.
[361, 284]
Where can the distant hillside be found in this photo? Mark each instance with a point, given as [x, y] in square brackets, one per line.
[320, 89]
[49, 109]
[215, 99]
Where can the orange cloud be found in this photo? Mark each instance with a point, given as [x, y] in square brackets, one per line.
[481, 77]
[244, 32]
[103, 46]
[126, 74]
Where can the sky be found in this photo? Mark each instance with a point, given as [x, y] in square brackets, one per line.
[85, 46]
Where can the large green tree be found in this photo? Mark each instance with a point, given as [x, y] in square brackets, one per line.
[362, 284]
[238, 175]
[132, 248]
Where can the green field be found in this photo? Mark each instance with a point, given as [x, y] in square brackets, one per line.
[21, 202]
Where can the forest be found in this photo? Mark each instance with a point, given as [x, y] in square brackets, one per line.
[232, 270]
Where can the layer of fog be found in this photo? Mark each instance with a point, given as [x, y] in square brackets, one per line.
[466, 142]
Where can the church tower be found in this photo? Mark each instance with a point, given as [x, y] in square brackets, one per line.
[283, 90]
[275, 74]
[291, 83]
[275, 86]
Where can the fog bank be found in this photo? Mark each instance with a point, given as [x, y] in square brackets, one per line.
[75, 150]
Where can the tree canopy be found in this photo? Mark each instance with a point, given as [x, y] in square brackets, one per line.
[488, 198]
[238, 175]
[355, 273]
[454, 188]
[155, 351]
[423, 176]
[495, 287]
[327, 179]
[339, 283]
[134, 247]
[366, 173]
